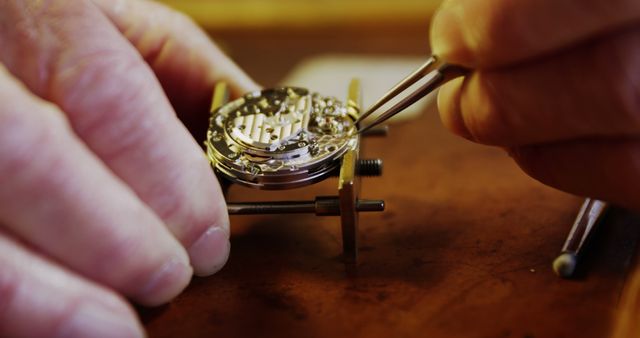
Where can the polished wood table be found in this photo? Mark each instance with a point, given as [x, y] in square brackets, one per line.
[464, 248]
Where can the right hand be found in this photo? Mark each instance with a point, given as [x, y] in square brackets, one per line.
[104, 195]
[556, 82]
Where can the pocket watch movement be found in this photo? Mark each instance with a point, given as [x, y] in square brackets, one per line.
[288, 137]
[280, 138]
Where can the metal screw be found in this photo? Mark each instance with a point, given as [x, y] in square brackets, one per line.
[369, 167]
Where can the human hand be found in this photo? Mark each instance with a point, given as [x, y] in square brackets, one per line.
[103, 192]
[555, 82]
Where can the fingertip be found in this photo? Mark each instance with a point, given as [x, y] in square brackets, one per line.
[448, 39]
[207, 240]
[240, 82]
[449, 107]
[93, 320]
[247, 84]
[210, 252]
[169, 280]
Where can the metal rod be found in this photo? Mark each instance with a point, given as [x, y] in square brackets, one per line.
[590, 212]
[260, 208]
[321, 206]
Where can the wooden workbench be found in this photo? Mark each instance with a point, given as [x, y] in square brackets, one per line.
[464, 248]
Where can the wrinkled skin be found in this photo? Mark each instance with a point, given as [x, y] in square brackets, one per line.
[556, 82]
[104, 194]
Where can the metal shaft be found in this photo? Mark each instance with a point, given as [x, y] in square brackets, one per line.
[321, 206]
[590, 213]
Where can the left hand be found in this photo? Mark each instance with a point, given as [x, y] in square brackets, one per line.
[104, 194]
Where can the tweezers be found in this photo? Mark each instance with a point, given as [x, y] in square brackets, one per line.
[437, 73]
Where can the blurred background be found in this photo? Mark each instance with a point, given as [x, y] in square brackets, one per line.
[305, 14]
[320, 44]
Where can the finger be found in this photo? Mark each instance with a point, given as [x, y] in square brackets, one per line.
[57, 196]
[603, 169]
[115, 104]
[40, 299]
[592, 90]
[186, 61]
[491, 33]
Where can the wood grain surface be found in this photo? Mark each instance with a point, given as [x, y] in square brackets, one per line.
[464, 248]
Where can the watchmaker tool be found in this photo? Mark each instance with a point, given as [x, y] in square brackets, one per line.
[590, 214]
[283, 138]
[435, 70]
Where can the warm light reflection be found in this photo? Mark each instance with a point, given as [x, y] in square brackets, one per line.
[298, 13]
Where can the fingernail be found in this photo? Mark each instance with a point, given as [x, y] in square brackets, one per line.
[447, 37]
[167, 282]
[450, 109]
[210, 251]
[92, 320]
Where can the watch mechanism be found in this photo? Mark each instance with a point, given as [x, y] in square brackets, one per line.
[280, 138]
